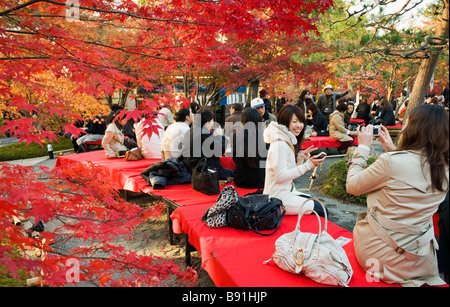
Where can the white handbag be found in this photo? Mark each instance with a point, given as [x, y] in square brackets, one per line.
[318, 256]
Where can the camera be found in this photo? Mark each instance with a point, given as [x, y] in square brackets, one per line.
[376, 130]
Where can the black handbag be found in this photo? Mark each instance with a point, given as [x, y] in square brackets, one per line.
[205, 180]
[256, 213]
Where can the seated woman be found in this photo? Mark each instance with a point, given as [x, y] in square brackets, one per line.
[348, 115]
[285, 162]
[149, 142]
[95, 130]
[363, 111]
[337, 128]
[113, 141]
[386, 117]
[250, 151]
[405, 186]
[173, 136]
[317, 120]
[200, 142]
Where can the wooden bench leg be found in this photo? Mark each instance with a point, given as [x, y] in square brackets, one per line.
[170, 225]
[188, 248]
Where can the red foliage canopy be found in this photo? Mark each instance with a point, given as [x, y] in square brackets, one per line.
[101, 47]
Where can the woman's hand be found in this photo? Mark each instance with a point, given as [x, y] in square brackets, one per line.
[305, 154]
[316, 160]
[386, 140]
[365, 135]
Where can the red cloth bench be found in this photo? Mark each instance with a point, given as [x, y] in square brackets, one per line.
[127, 174]
[234, 258]
[231, 257]
[89, 143]
[358, 121]
[324, 141]
[396, 126]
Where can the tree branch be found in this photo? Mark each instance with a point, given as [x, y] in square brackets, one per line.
[19, 7]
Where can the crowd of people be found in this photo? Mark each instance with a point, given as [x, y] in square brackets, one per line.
[405, 186]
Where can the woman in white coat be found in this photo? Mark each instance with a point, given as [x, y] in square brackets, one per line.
[113, 141]
[149, 132]
[285, 161]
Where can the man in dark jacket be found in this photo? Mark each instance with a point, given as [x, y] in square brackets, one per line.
[233, 122]
[327, 101]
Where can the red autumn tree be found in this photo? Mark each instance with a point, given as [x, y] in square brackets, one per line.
[101, 47]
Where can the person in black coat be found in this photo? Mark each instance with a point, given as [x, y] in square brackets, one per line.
[194, 147]
[386, 117]
[316, 119]
[250, 151]
[363, 111]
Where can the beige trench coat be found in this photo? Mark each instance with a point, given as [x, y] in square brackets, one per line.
[337, 128]
[395, 241]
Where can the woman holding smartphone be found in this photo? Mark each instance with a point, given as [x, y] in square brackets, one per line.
[285, 161]
[394, 239]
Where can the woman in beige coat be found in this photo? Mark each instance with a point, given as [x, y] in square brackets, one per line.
[337, 128]
[394, 241]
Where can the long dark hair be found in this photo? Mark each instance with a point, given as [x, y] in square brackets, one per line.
[427, 130]
[385, 103]
[240, 138]
[284, 118]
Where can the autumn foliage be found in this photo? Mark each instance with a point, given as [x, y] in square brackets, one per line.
[61, 59]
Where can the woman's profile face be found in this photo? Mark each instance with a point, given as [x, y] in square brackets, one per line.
[209, 124]
[296, 126]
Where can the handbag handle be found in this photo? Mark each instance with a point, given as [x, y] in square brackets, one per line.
[297, 227]
[315, 247]
[275, 230]
[204, 164]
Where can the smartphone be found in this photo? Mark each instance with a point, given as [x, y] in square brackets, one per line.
[376, 130]
[321, 155]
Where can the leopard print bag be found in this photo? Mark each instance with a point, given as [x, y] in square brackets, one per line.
[215, 216]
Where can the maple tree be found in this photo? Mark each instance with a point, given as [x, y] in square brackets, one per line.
[56, 59]
[381, 51]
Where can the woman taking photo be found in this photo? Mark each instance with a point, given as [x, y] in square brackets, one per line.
[394, 241]
[285, 161]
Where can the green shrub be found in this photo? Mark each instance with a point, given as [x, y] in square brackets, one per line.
[334, 184]
[21, 151]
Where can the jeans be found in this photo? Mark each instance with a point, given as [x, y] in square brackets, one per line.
[317, 207]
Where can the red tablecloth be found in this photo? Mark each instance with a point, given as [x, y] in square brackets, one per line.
[396, 126]
[356, 120]
[127, 174]
[234, 258]
[324, 141]
[99, 158]
[185, 195]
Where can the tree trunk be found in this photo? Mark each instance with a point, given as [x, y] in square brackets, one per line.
[252, 92]
[423, 80]
[427, 67]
